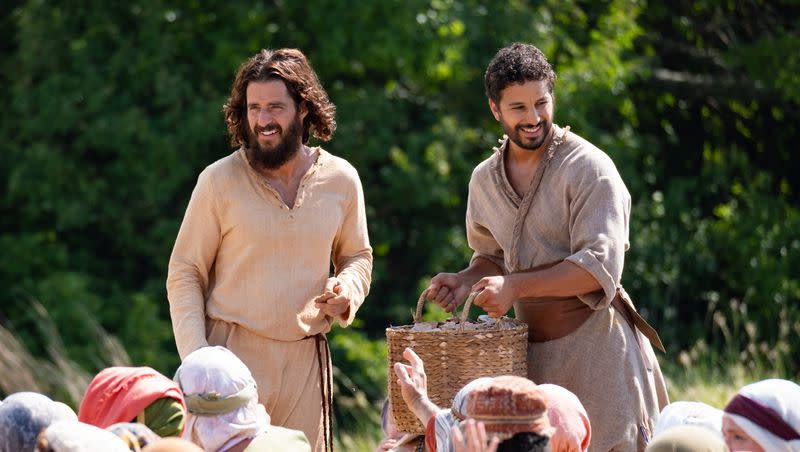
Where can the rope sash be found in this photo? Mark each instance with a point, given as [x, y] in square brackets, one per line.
[326, 385]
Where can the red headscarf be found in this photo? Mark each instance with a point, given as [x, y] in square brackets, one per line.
[119, 394]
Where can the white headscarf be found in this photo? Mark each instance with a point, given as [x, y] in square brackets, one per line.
[74, 436]
[445, 419]
[780, 396]
[217, 370]
[689, 413]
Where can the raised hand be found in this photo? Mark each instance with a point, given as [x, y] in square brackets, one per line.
[474, 438]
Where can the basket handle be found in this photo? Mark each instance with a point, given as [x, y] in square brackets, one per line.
[464, 311]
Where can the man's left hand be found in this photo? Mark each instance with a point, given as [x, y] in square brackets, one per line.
[496, 296]
[335, 300]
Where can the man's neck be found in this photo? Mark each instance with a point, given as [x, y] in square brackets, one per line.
[292, 170]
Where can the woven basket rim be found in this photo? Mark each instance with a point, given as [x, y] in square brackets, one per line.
[515, 325]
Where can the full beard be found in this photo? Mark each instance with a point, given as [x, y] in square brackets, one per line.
[273, 157]
[531, 145]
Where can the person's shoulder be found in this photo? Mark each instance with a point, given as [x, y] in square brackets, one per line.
[223, 169]
[483, 170]
[581, 155]
[337, 166]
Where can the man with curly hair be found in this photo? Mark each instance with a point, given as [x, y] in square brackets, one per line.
[547, 219]
[250, 269]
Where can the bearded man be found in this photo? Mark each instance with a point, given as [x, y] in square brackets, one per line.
[547, 219]
[250, 269]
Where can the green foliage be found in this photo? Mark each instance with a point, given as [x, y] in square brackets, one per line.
[111, 111]
[360, 375]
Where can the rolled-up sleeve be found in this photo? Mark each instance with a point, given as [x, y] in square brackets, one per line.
[190, 265]
[352, 253]
[599, 215]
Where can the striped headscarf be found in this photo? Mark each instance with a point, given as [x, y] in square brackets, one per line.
[769, 412]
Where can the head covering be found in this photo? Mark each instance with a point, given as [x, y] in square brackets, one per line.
[166, 417]
[72, 436]
[508, 405]
[24, 414]
[122, 394]
[172, 445]
[446, 419]
[280, 439]
[687, 438]
[689, 413]
[769, 412]
[569, 419]
[135, 435]
[222, 399]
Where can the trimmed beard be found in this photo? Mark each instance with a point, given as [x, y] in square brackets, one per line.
[531, 145]
[274, 157]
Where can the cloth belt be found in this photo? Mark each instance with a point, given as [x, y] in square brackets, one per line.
[555, 317]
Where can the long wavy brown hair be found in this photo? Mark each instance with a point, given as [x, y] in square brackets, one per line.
[291, 66]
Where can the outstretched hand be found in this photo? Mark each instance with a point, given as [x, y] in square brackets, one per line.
[412, 379]
[414, 386]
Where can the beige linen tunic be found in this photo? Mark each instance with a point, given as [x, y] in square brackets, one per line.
[245, 270]
[579, 214]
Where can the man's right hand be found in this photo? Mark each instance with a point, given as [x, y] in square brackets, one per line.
[448, 290]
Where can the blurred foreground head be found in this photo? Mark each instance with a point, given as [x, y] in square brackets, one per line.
[689, 413]
[24, 415]
[513, 409]
[566, 413]
[73, 436]
[687, 438]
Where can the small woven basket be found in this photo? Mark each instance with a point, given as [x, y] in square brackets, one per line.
[454, 357]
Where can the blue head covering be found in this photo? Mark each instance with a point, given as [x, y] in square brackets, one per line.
[24, 414]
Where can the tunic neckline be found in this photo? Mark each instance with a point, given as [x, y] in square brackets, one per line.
[523, 204]
[300, 195]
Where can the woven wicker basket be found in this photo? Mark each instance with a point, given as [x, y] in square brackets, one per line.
[453, 358]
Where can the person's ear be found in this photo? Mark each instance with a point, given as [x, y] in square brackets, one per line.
[495, 109]
[303, 110]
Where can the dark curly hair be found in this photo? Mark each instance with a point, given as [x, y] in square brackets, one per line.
[291, 66]
[525, 442]
[517, 63]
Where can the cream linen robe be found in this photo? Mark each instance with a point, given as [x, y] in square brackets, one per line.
[245, 270]
[579, 214]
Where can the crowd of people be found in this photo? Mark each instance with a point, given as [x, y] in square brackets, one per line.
[509, 413]
[212, 405]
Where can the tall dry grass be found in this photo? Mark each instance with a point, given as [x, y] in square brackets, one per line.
[56, 374]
